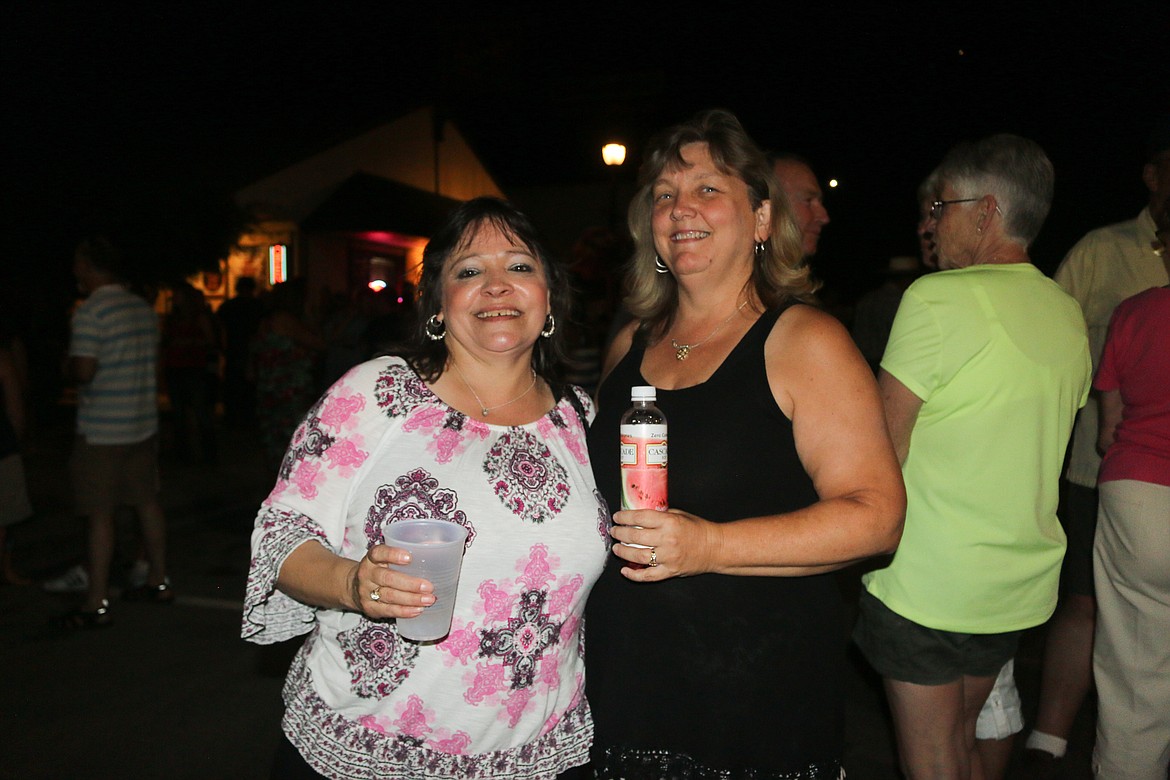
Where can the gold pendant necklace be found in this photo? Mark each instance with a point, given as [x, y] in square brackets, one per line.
[485, 409]
[682, 350]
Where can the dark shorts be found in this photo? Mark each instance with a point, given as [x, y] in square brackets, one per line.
[900, 649]
[105, 476]
[1078, 515]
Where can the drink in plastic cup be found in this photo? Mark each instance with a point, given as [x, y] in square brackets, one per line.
[436, 551]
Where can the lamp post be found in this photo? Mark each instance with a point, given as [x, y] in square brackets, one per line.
[614, 155]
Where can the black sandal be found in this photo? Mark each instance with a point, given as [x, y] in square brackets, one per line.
[159, 594]
[87, 619]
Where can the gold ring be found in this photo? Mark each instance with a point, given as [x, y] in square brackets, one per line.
[375, 595]
[653, 557]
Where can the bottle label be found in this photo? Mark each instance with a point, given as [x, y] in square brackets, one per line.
[643, 445]
[644, 466]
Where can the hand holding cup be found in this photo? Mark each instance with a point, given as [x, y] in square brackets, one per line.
[380, 592]
[436, 555]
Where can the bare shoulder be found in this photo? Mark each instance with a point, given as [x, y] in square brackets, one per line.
[810, 353]
[805, 333]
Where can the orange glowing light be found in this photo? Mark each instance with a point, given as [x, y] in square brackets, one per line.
[277, 263]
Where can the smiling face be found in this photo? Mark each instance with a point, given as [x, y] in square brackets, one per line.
[495, 295]
[805, 199]
[703, 218]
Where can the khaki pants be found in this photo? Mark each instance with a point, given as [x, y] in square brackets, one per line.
[1131, 651]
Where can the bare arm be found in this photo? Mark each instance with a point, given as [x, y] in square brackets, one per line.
[1110, 405]
[822, 383]
[315, 576]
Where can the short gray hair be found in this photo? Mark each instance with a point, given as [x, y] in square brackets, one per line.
[928, 190]
[1013, 169]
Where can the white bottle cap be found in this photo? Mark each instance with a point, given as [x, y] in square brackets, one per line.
[643, 393]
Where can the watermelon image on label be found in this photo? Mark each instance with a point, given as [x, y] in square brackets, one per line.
[644, 488]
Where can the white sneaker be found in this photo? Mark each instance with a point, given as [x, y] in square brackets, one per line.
[137, 574]
[74, 580]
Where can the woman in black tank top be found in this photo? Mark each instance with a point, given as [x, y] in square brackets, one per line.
[716, 651]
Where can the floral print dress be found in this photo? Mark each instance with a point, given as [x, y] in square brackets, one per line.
[502, 696]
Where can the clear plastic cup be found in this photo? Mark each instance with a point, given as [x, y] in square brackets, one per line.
[436, 551]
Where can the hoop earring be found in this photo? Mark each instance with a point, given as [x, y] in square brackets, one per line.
[550, 326]
[660, 266]
[435, 328]
[761, 248]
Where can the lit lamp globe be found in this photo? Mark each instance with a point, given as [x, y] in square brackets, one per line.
[613, 154]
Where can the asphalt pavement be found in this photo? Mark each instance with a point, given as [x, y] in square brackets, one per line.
[172, 691]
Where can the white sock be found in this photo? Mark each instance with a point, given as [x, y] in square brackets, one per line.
[1038, 740]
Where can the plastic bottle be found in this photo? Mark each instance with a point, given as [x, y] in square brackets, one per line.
[643, 455]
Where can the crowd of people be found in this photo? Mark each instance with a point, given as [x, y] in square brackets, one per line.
[706, 640]
[258, 355]
[713, 645]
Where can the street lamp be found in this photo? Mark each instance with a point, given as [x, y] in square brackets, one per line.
[613, 154]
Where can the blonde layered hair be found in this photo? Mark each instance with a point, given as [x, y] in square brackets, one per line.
[779, 273]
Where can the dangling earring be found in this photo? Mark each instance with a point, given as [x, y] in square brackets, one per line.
[660, 266]
[550, 326]
[435, 328]
[761, 248]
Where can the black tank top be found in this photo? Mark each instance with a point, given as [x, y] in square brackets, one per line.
[739, 673]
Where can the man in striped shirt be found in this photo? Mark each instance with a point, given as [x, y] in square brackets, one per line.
[113, 357]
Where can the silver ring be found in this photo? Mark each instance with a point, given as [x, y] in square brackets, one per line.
[375, 595]
[653, 557]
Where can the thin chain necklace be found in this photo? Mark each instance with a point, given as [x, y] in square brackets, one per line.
[682, 350]
[485, 409]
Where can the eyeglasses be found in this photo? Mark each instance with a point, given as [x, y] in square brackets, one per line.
[936, 207]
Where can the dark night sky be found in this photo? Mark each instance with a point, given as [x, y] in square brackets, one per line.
[113, 103]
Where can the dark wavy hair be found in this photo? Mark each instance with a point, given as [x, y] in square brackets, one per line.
[429, 357]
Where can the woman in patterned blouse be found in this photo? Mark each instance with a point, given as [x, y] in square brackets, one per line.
[468, 424]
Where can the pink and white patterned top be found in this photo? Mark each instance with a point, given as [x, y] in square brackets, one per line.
[503, 695]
